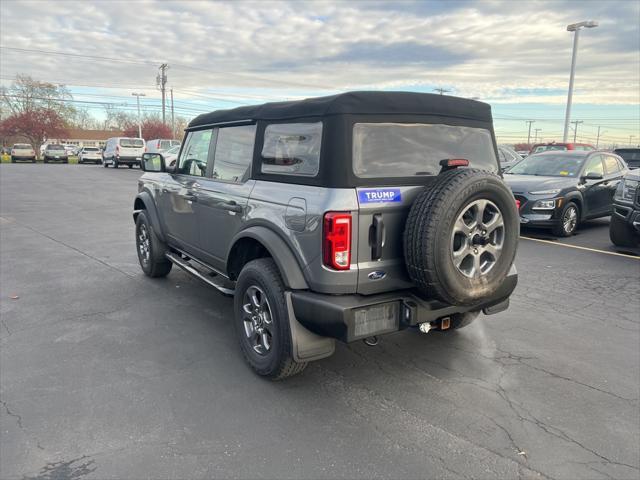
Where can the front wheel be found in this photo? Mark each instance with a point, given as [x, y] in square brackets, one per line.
[151, 251]
[131, 165]
[569, 219]
[262, 322]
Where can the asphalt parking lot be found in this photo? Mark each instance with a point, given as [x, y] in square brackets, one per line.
[105, 373]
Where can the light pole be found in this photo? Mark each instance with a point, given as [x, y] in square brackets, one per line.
[574, 27]
[138, 95]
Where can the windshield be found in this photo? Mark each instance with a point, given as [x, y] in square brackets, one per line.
[55, 147]
[385, 150]
[549, 165]
[131, 142]
[173, 150]
[546, 148]
[90, 149]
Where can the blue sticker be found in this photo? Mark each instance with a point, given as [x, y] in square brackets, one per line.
[379, 195]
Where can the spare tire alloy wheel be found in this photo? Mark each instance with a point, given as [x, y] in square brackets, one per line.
[477, 238]
[257, 320]
[461, 236]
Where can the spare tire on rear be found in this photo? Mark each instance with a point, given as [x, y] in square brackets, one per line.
[461, 236]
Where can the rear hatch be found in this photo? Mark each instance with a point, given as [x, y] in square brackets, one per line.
[131, 147]
[397, 161]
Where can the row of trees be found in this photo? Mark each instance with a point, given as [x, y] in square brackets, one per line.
[34, 111]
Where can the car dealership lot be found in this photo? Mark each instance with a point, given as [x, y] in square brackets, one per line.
[105, 373]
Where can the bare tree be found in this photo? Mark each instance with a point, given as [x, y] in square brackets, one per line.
[27, 95]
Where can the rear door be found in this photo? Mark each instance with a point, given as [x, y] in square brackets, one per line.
[223, 194]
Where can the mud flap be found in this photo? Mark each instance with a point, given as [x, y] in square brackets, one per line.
[306, 346]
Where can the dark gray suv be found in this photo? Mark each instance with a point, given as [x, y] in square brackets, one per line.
[342, 217]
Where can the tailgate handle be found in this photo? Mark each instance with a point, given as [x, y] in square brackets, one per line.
[376, 237]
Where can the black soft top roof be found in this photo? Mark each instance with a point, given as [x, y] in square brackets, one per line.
[363, 103]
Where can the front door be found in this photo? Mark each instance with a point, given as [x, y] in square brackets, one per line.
[223, 195]
[596, 194]
[180, 192]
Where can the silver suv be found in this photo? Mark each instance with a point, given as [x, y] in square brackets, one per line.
[336, 218]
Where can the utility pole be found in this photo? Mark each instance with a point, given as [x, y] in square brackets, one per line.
[138, 95]
[173, 123]
[630, 137]
[575, 130]
[529, 135]
[161, 81]
[574, 27]
[598, 137]
[537, 130]
[441, 90]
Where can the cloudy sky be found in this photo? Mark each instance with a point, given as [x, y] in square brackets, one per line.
[514, 55]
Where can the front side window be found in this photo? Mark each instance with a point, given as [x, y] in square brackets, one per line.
[382, 150]
[234, 153]
[193, 159]
[594, 165]
[292, 148]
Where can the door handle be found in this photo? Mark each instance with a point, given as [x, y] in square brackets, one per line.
[232, 206]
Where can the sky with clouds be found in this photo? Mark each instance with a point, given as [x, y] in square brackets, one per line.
[514, 55]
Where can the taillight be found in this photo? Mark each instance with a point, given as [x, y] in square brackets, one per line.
[336, 245]
[518, 204]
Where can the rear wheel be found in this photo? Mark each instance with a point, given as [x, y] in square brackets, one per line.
[461, 236]
[131, 165]
[262, 322]
[569, 219]
[151, 251]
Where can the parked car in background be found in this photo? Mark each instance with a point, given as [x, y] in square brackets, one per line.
[171, 155]
[508, 157]
[160, 145]
[624, 228]
[90, 154]
[629, 155]
[23, 151]
[55, 153]
[544, 147]
[123, 151]
[523, 153]
[71, 150]
[558, 190]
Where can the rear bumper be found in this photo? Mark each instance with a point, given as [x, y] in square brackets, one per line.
[128, 160]
[335, 315]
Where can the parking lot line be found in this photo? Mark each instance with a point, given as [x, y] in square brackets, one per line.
[581, 248]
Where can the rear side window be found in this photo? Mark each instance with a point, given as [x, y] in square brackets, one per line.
[611, 165]
[234, 153]
[292, 148]
[382, 150]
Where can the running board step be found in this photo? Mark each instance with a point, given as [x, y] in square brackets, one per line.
[218, 282]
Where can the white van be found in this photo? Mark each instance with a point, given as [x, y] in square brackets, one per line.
[161, 145]
[123, 151]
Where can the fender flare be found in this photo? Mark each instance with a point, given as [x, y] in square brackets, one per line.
[579, 199]
[152, 213]
[287, 263]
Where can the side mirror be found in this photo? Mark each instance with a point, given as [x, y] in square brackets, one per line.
[592, 176]
[152, 162]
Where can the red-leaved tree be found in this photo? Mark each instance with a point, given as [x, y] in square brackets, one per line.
[151, 128]
[34, 125]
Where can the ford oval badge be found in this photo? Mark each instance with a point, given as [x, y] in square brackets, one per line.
[377, 275]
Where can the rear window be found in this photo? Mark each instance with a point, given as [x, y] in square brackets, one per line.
[382, 150]
[131, 142]
[22, 146]
[165, 144]
[292, 148]
[546, 148]
[90, 149]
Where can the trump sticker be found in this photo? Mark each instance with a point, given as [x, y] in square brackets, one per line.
[379, 195]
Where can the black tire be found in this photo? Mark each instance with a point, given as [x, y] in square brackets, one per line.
[430, 240]
[154, 264]
[114, 162]
[131, 165]
[566, 227]
[46, 161]
[13, 160]
[621, 233]
[33, 160]
[105, 164]
[277, 362]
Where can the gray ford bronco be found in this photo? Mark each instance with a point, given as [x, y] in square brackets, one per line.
[336, 218]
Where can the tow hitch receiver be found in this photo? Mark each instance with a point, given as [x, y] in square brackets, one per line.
[441, 324]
